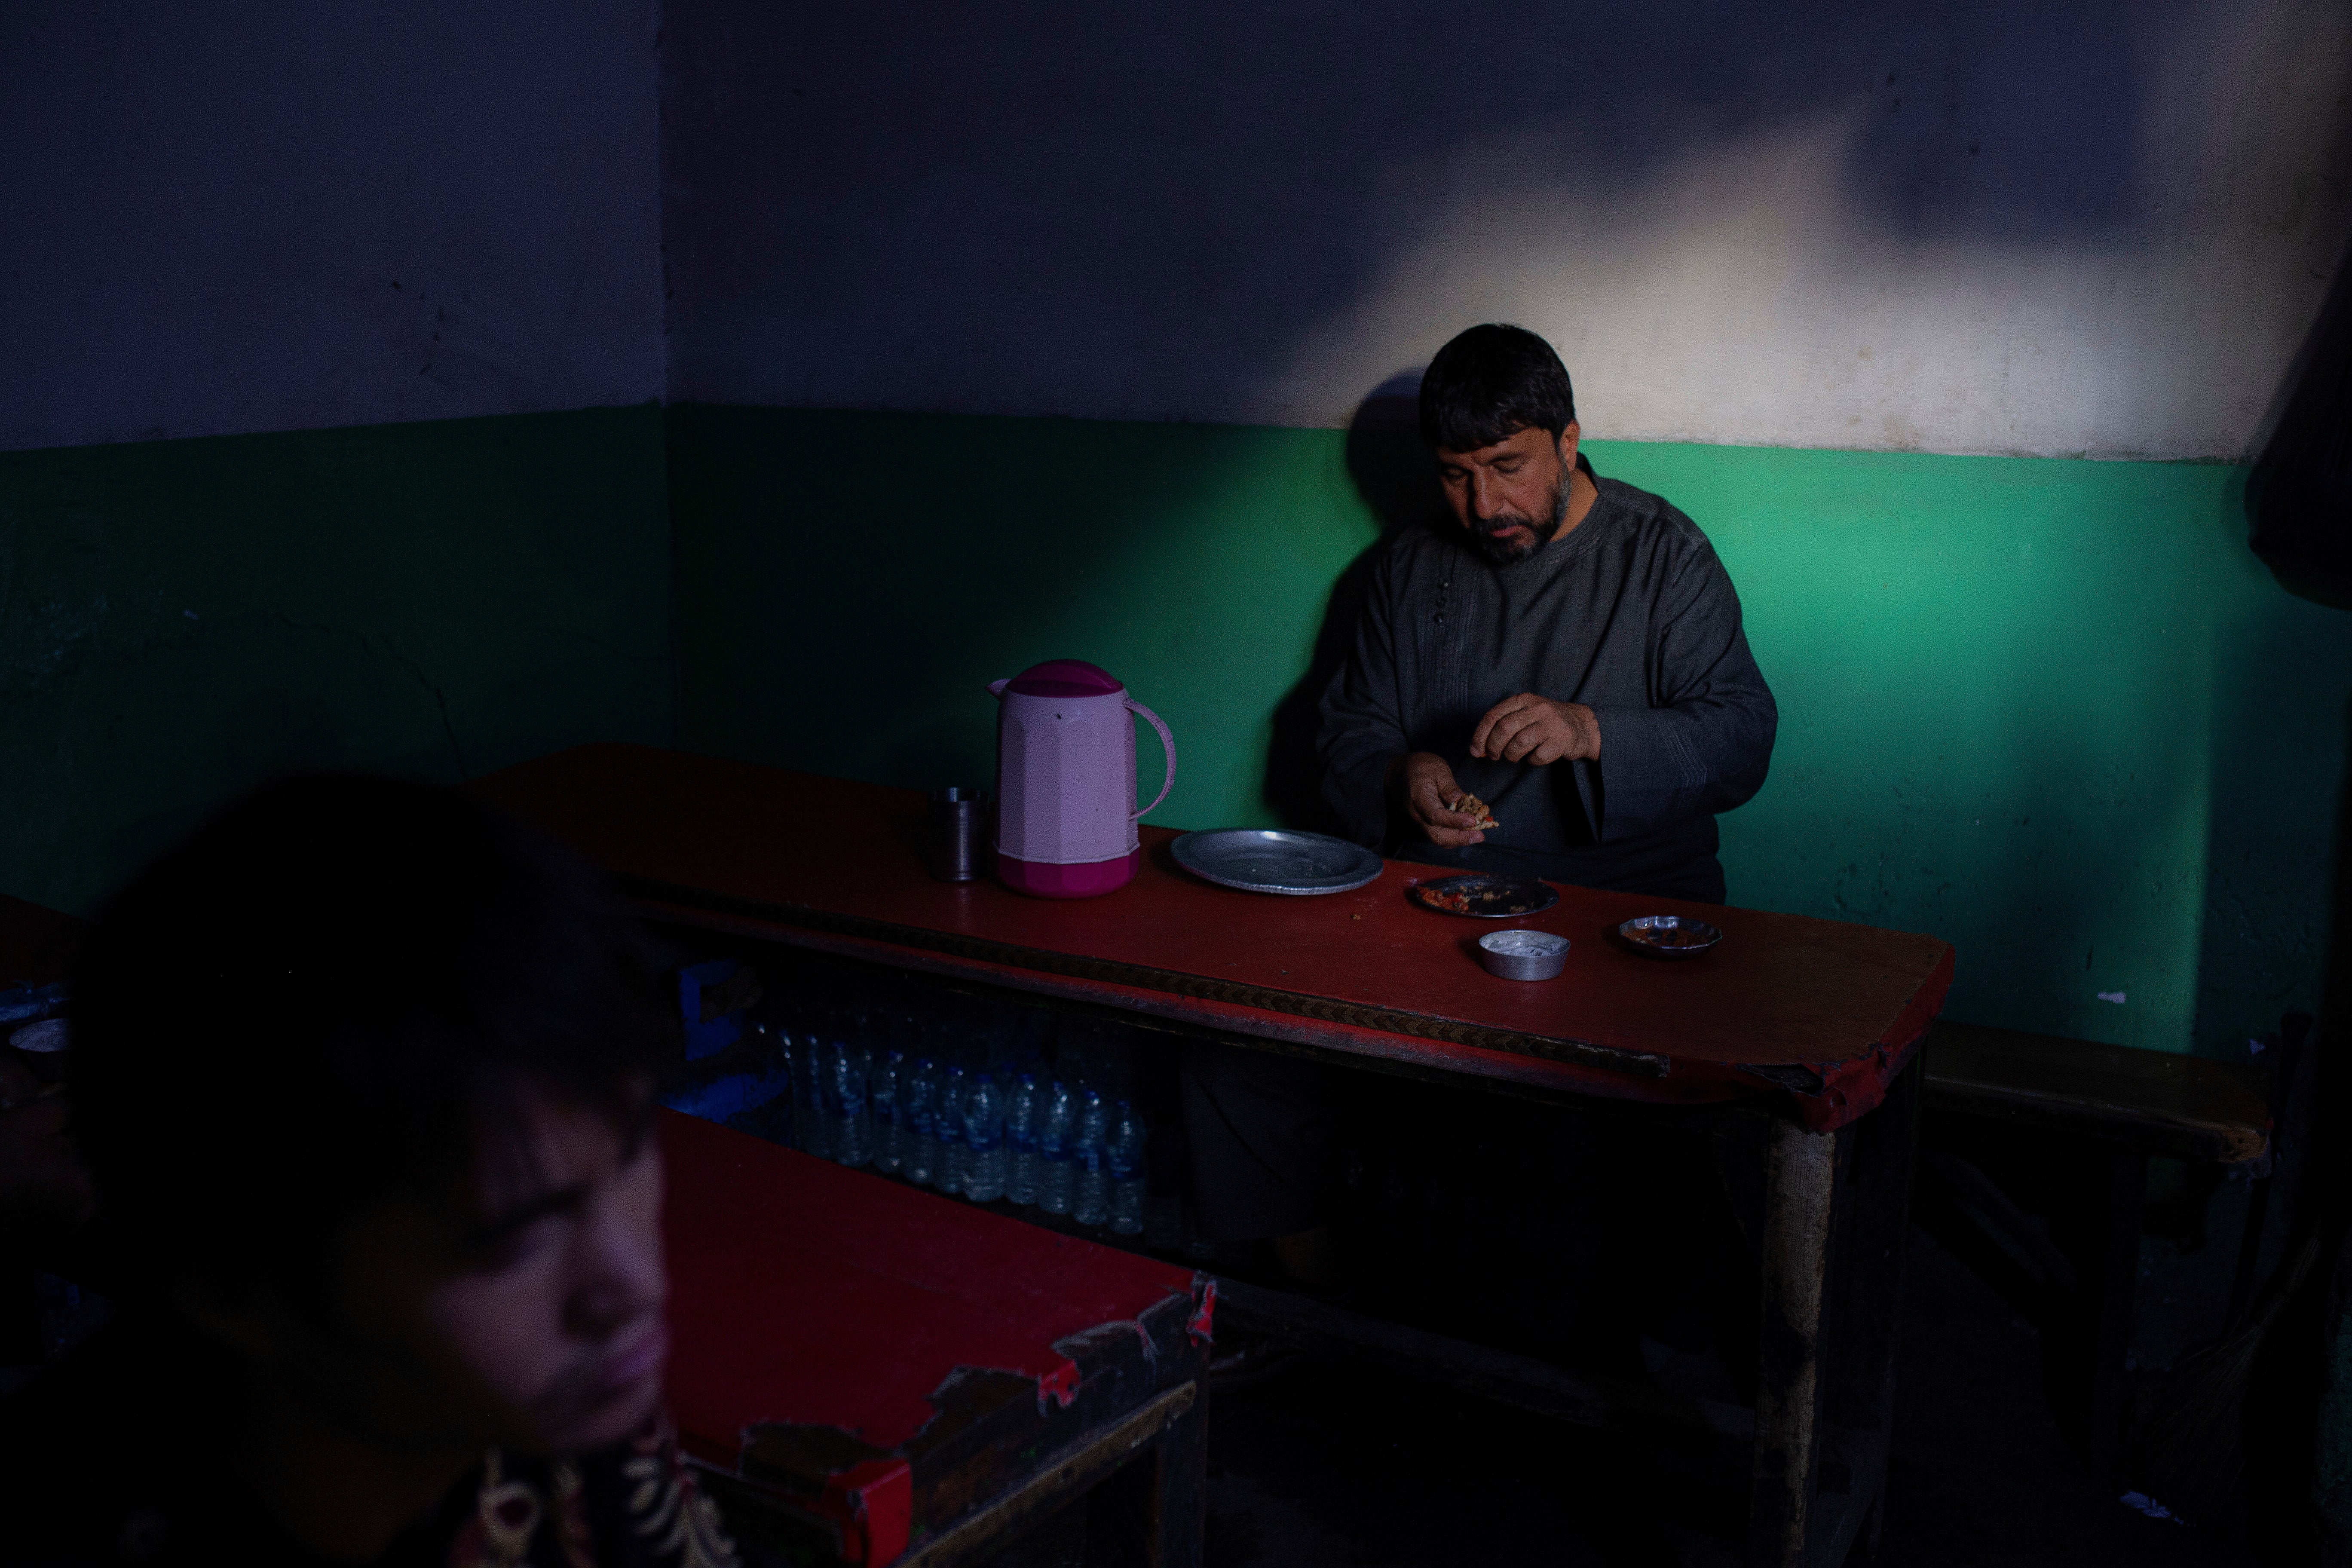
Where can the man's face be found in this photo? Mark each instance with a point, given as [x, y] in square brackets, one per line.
[1511, 497]
[527, 1313]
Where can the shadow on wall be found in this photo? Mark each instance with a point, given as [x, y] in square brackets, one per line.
[2268, 918]
[2272, 758]
[1392, 472]
[1234, 212]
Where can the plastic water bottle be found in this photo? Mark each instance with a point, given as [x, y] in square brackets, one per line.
[1020, 1139]
[1128, 1140]
[1091, 1156]
[985, 1155]
[812, 1130]
[919, 1099]
[1056, 1176]
[781, 1041]
[947, 1119]
[882, 1105]
[852, 1138]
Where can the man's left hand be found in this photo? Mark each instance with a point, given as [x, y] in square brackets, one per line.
[1537, 731]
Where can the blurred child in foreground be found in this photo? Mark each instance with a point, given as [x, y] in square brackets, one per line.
[363, 1077]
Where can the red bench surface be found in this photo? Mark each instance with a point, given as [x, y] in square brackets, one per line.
[807, 1294]
[1823, 1009]
[36, 943]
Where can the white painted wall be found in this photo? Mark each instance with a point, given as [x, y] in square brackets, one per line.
[246, 216]
[2013, 226]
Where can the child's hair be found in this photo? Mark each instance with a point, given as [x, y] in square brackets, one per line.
[335, 989]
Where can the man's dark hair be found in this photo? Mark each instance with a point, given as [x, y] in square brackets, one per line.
[335, 989]
[1491, 383]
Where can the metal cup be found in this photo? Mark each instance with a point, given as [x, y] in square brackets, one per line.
[1522, 954]
[957, 841]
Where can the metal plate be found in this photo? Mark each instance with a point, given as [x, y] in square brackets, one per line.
[1486, 897]
[1693, 937]
[1276, 860]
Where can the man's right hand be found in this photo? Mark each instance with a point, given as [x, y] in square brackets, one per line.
[1429, 790]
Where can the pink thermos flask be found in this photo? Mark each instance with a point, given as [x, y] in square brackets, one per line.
[1066, 809]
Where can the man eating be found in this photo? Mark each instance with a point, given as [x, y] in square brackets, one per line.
[1563, 660]
[363, 1076]
[1568, 653]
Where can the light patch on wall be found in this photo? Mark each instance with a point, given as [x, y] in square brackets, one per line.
[1747, 296]
[2007, 227]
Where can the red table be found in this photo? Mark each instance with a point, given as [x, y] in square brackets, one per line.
[1820, 1010]
[1815, 1021]
[896, 1375]
[36, 943]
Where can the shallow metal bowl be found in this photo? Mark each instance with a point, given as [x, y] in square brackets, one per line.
[1485, 897]
[1523, 954]
[1636, 934]
[1276, 860]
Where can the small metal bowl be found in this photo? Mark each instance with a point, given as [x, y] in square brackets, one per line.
[1523, 954]
[1690, 936]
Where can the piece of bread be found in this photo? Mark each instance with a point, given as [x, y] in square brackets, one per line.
[1469, 803]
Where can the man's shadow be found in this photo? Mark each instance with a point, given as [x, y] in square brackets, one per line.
[1395, 476]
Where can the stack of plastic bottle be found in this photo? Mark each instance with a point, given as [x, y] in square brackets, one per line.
[911, 1108]
[1125, 1157]
[947, 1120]
[921, 1093]
[845, 1078]
[882, 1105]
[1021, 1118]
[1057, 1176]
[1091, 1157]
[810, 1129]
[983, 1141]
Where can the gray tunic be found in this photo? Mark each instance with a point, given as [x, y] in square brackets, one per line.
[1630, 615]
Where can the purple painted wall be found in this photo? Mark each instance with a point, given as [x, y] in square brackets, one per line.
[244, 216]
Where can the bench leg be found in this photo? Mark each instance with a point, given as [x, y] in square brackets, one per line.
[1868, 1245]
[1152, 1512]
[2111, 1341]
[1800, 1184]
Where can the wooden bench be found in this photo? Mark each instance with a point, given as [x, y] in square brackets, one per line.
[871, 1374]
[2154, 1102]
[2133, 1104]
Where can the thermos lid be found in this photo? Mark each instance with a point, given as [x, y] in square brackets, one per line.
[1064, 678]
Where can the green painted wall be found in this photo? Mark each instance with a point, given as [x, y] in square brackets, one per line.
[2050, 709]
[181, 619]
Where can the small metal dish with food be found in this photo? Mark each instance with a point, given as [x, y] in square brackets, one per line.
[1669, 936]
[1484, 898]
[1523, 954]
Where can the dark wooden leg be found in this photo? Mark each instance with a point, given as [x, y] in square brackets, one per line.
[1800, 1184]
[21, 1339]
[2118, 1280]
[1150, 1514]
[1871, 1239]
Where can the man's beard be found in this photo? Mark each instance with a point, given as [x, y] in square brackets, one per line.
[1490, 540]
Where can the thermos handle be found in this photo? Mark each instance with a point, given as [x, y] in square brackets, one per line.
[1168, 743]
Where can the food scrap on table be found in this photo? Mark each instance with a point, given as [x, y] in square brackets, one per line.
[1473, 899]
[1669, 936]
